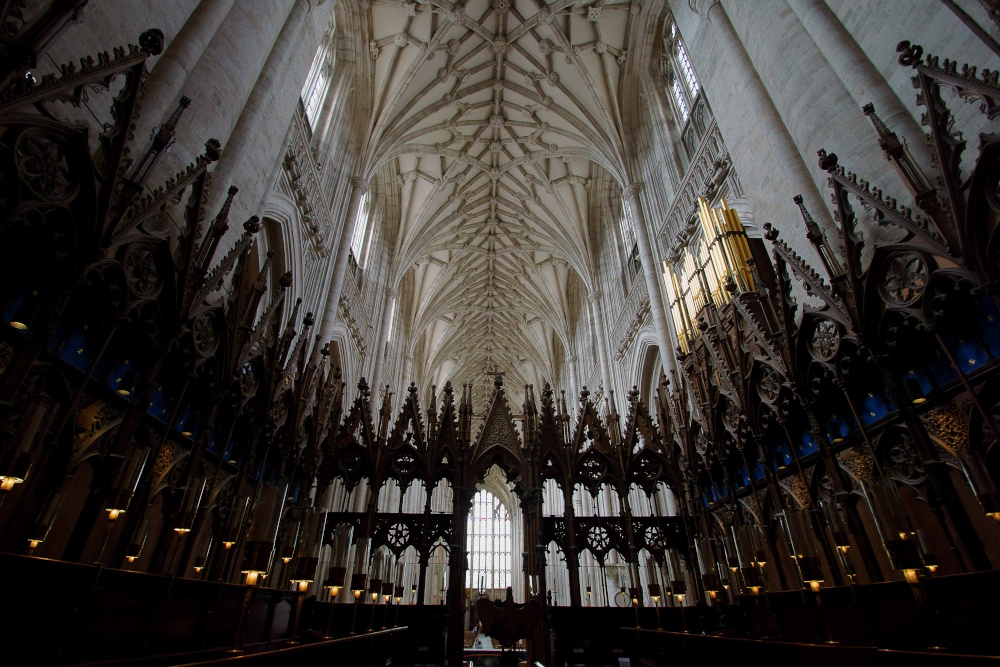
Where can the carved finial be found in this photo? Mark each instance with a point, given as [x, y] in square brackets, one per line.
[252, 226]
[909, 54]
[213, 150]
[827, 161]
[770, 233]
[498, 380]
[883, 130]
[325, 351]
[363, 386]
[285, 280]
[151, 41]
[309, 320]
[812, 229]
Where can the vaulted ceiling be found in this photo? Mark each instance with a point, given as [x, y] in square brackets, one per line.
[495, 118]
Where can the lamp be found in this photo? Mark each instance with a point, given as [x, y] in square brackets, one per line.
[43, 524]
[750, 556]
[188, 507]
[706, 560]
[359, 578]
[138, 541]
[898, 536]
[359, 582]
[201, 553]
[982, 484]
[126, 383]
[26, 312]
[234, 522]
[129, 474]
[398, 595]
[20, 456]
[264, 528]
[914, 391]
[387, 588]
[802, 544]
[926, 555]
[655, 594]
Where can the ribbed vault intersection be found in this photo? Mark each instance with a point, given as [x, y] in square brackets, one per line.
[496, 116]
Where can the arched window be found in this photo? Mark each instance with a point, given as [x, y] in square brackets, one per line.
[629, 245]
[317, 83]
[360, 235]
[684, 89]
[489, 543]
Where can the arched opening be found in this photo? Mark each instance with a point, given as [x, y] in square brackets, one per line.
[489, 544]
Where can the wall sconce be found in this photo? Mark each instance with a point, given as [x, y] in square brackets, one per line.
[27, 311]
[20, 456]
[202, 552]
[234, 522]
[982, 484]
[926, 555]
[801, 542]
[126, 383]
[706, 560]
[334, 581]
[898, 536]
[138, 541]
[914, 391]
[256, 560]
[133, 465]
[188, 508]
[359, 581]
[750, 556]
[287, 553]
[47, 517]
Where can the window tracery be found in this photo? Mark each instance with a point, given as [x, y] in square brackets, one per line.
[489, 543]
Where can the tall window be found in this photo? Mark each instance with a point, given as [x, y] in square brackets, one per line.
[317, 83]
[680, 100]
[681, 79]
[689, 77]
[360, 233]
[489, 543]
[630, 247]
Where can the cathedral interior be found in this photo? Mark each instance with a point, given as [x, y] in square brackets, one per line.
[561, 333]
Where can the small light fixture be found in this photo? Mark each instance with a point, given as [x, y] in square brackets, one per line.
[914, 391]
[27, 311]
[126, 383]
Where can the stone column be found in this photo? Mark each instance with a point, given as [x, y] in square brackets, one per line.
[856, 71]
[407, 370]
[602, 343]
[163, 86]
[358, 189]
[814, 107]
[222, 81]
[763, 152]
[651, 272]
[383, 338]
[253, 155]
[574, 388]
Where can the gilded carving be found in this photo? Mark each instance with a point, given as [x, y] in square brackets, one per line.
[948, 429]
[858, 465]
